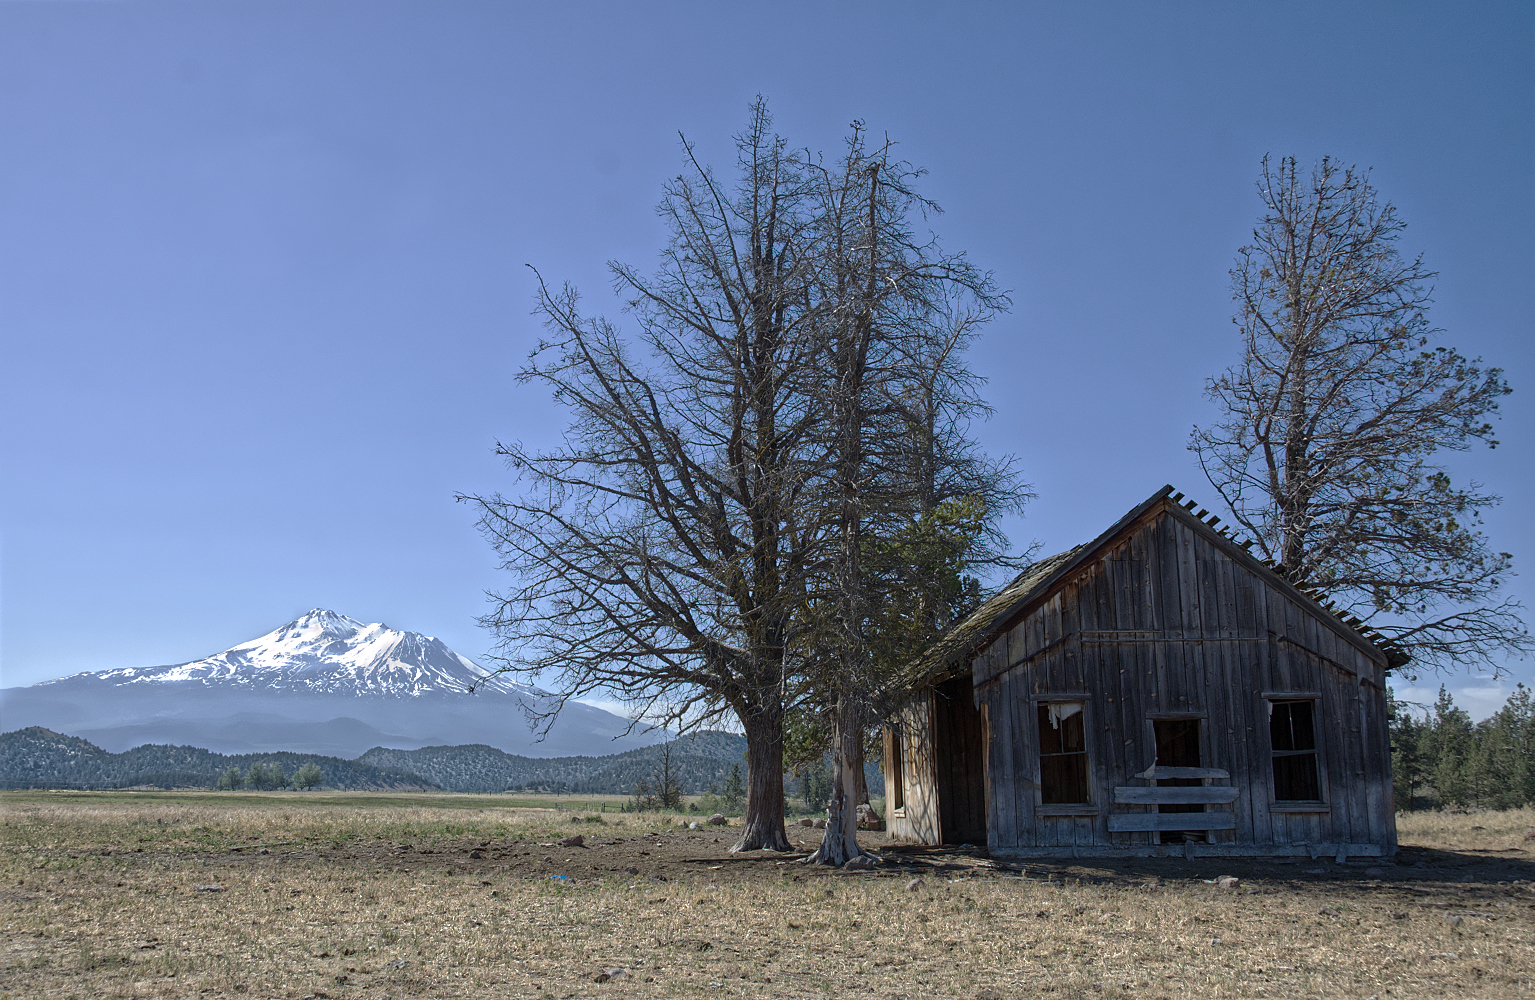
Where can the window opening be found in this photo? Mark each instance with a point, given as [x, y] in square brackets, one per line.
[1178, 746]
[897, 776]
[1062, 753]
[1292, 735]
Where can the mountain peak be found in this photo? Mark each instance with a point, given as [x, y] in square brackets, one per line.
[322, 620]
[326, 652]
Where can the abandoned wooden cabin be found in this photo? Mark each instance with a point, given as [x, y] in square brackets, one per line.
[1157, 690]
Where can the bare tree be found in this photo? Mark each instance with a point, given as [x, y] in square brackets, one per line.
[892, 379]
[660, 553]
[1325, 450]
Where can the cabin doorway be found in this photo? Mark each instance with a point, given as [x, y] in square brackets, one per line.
[959, 734]
[1178, 746]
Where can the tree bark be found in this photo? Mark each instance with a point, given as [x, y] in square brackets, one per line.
[840, 844]
[762, 828]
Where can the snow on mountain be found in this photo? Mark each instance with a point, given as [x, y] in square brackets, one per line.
[328, 653]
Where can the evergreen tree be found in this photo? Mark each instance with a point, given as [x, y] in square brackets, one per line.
[734, 790]
[1449, 751]
[1408, 775]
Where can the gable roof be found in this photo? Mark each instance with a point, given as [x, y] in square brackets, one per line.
[953, 652]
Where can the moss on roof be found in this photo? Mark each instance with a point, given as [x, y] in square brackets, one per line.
[965, 637]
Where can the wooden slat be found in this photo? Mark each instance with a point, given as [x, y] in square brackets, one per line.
[1025, 760]
[1175, 795]
[1143, 822]
[1006, 738]
[1244, 667]
[1157, 773]
[1185, 674]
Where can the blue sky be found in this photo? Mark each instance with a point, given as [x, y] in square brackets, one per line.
[262, 293]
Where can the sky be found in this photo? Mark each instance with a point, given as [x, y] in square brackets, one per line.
[263, 294]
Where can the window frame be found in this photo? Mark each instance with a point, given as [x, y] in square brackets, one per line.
[895, 771]
[1318, 753]
[1149, 729]
[1089, 807]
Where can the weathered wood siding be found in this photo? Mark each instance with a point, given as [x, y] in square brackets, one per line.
[1163, 623]
[917, 820]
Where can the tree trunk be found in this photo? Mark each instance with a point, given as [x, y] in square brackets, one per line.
[840, 845]
[762, 828]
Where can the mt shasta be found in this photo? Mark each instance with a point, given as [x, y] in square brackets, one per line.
[323, 683]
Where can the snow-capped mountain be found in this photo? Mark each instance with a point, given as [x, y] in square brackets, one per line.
[324, 652]
[323, 683]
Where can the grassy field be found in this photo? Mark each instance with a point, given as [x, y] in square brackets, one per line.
[374, 896]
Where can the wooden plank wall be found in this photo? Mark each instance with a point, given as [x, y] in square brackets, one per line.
[919, 821]
[1167, 623]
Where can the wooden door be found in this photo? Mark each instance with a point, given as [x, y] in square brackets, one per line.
[959, 743]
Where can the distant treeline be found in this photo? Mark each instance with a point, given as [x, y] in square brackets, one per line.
[41, 758]
[698, 761]
[1441, 759]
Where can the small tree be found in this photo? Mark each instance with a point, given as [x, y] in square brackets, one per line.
[1450, 748]
[1407, 772]
[230, 780]
[815, 785]
[734, 791]
[308, 776]
[644, 797]
[1331, 424]
[257, 776]
[666, 785]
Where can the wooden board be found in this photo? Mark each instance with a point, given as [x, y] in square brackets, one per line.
[1156, 772]
[1205, 794]
[1143, 822]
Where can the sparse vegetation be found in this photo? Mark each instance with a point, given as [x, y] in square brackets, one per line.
[338, 906]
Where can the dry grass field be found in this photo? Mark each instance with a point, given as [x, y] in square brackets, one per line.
[378, 896]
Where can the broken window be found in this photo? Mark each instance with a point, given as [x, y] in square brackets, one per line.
[895, 773]
[1062, 753]
[1292, 733]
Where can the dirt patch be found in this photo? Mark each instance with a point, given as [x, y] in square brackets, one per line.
[673, 854]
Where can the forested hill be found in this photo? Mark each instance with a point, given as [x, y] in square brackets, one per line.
[698, 761]
[41, 758]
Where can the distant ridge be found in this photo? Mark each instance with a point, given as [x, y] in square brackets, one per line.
[40, 758]
[700, 760]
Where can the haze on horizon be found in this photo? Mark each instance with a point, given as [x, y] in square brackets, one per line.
[262, 292]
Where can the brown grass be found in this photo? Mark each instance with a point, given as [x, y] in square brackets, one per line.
[1480, 831]
[77, 922]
